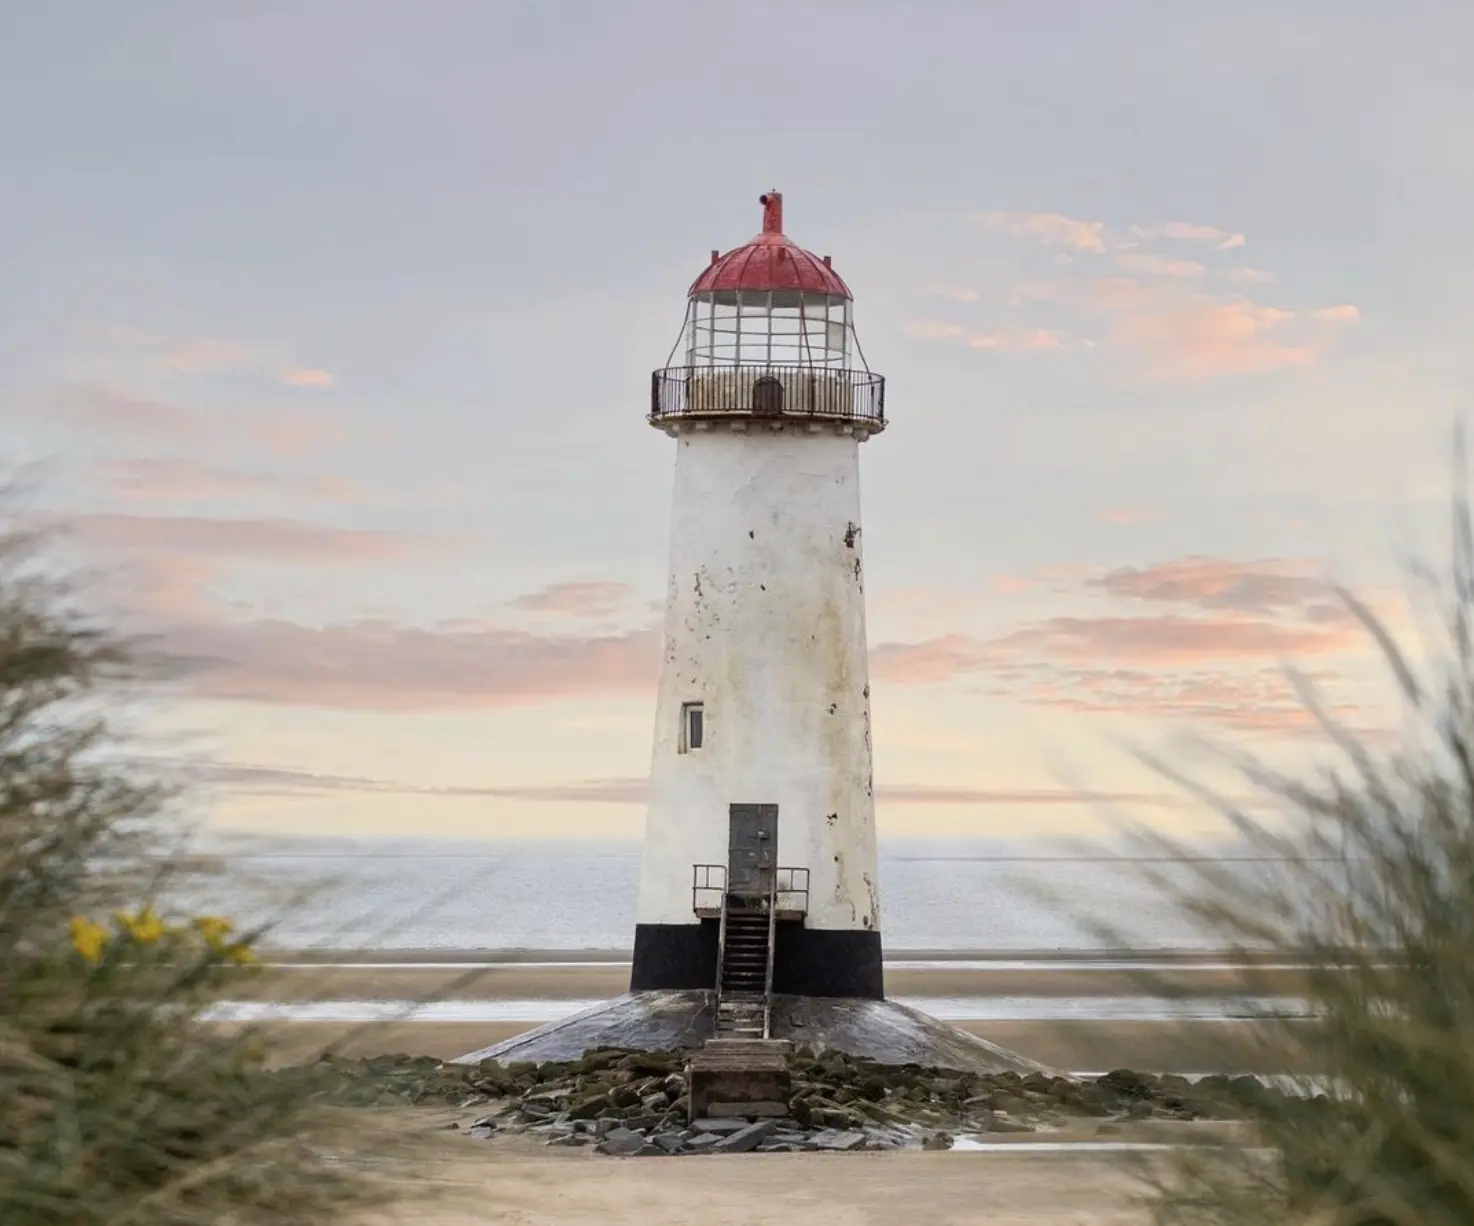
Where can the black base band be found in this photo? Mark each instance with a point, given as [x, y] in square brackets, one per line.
[808, 961]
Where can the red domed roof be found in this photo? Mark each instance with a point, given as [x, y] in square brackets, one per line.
[770, 261]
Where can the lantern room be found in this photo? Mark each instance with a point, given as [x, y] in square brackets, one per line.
[769, 302]
[769, 331]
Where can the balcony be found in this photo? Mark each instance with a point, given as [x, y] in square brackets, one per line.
[789, 891]
[776, 394]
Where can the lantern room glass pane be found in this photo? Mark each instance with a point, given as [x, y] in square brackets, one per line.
[768, 328]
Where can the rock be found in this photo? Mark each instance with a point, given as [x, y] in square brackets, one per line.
[702, 1142]
[936, 1140]
[537, 1111]
[720, 1126]
[749, 1138]
[587, 1108]
[779, 1147]
[621, 1142]
[1127, 1084]
[839, 1141]
[670, 1142]
[480, 1132]
[1000, 1122]
[570, 1140]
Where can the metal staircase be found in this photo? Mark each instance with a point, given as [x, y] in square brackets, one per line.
[745, 969]
[746, 941]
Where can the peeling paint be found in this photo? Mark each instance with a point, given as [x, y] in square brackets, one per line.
[769, 627]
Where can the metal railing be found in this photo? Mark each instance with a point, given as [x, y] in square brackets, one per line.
[768, 392]
[721, 954]
[772, 956]
[708, 879]
[791, 891]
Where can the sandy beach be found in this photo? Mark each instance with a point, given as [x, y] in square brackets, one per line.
[518, 1180]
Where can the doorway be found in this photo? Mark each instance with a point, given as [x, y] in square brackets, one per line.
[767, 397]
[752, 850]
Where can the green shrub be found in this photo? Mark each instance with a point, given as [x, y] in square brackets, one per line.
[116, 1106]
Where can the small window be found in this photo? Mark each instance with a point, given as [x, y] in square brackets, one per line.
[693, 726]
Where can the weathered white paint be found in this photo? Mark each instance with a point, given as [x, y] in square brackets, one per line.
[765, 626]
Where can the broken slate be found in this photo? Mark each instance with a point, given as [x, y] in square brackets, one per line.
[748, 1139]
[621, 1142]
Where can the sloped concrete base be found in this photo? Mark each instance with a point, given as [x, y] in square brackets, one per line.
[879, 1030]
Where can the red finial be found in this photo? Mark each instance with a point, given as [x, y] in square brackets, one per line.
[772, 203]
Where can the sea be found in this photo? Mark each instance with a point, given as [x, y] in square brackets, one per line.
[563, 895]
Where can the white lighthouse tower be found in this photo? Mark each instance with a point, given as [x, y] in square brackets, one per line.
[759, 873]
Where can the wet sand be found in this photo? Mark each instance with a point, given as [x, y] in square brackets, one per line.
[1162, 1047]
[393, 977]
[1083, 1045]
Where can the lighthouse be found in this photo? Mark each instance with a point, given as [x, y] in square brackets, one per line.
[758, 919]
[759, 869]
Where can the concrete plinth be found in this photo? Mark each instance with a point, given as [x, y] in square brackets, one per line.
[879, 1030]
[748, 1078]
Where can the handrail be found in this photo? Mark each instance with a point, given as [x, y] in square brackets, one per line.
[721, 950]
[772, 954]
[771, 390]
[792, 887]
[701, 880]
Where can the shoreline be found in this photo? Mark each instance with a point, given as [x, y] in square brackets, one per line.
[595, 956]
[1074, 995]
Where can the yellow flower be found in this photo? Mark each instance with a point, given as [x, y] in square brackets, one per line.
[214, 928]
[241, 954]
[88, 939]
[145, 927]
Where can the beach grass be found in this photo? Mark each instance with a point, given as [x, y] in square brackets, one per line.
[1374, 888]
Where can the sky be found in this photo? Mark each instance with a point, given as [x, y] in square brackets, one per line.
[330, 326]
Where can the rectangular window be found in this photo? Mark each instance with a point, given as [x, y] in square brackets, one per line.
[693, 726]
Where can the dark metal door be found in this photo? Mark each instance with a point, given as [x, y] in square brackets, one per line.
[752, 850]
[767, 397]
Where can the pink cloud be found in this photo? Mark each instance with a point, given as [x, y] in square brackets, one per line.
[1259, 586]
[927, 663]
[634, 791]
[1187, 231]
[933, 330]
[584, 600]
[1259, 702]
[1054, 229]
[376, 665]
[1346, 313]
[174, 479]
[1013, 585]
[1173, 639]
[1129, 515]
[1034, 339]
[134, 419]
[1248, 275]
[957, 293]
[277, 540]
[306, 376]
[1198, 338]
[200, 355]
[1160, 266]
[1037, 339]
